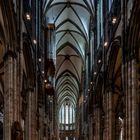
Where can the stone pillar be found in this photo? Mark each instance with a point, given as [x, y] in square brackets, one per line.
[131, 100]
[117, 128]
[30, 122]
[9, 93]
[109, 117]
[16, 98]
[90, 127]
[41, 122]
[97, 124]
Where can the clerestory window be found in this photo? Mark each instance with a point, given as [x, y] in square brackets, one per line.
[99, 22]
[67, 116]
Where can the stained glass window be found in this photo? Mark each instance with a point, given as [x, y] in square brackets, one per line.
[67, 116]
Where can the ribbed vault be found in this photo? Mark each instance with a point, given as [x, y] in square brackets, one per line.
[72, 19]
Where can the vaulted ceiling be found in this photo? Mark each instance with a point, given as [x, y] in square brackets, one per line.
[72, 19]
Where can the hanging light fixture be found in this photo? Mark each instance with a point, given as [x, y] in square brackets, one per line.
[28, 16]
[105, 44]
[99, 61]
[114, 20]
[34, 41]
[49, 88]
[39, 59]
[95, 73]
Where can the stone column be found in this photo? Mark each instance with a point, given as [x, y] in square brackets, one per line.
[131, 100]
[97, 123]
[117, 128]
[16, 98]
[9, 92]
[41, 122]
[90, 127]
[30, 121]
[109, 117]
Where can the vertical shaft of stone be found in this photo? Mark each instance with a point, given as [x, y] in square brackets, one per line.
[117, 129]
[91, 129]
[131, 117]
[134, 110]
[125, 85]
[8, 94]
[16, 93]
[98, 128]
[31, 115]
[106, 131]
[129, 101]
[109, 117]
[41, 124]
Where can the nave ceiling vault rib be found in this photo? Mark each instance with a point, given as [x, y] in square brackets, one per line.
[68, 74]
[67, 88]
[66, 81]
[72, 23]
[78, 52]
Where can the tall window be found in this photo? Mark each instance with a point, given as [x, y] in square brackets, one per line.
[92, 50]
[109, 4]
[99, 21]
[67, 116]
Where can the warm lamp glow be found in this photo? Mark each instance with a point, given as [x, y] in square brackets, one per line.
[114, 20]
[95, 73]
[39, 59]
[34, 41]
[105, 44]
[99, 61]
[28, 16]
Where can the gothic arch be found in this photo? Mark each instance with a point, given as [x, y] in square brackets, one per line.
[134, 33]
[114, 52]
[8, 23]
[114, 66]
[27, 53]
[133, 48]
[114, 73]
[99, 89]
[115, 80]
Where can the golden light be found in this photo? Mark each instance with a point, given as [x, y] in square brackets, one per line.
[39, 59]
[34, 41]
[28, 16]
[95, 73]
[114, 20]
[99, 61]
[105, 44]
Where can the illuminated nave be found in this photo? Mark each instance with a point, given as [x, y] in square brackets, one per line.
[69, 70]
